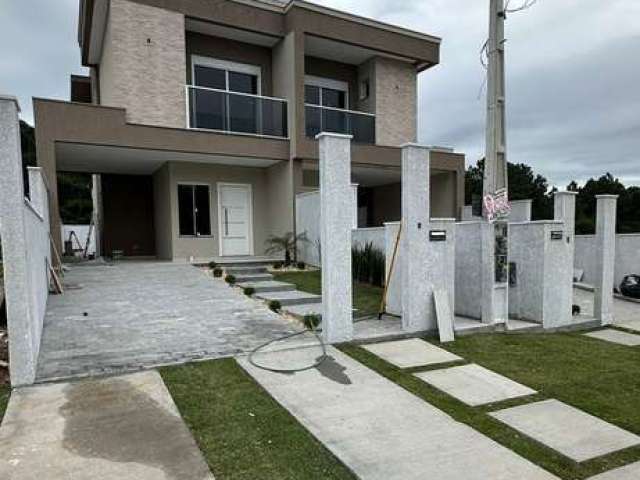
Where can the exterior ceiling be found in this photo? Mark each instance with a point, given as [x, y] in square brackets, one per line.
[341, 52]
[230, 33]
[78, 157]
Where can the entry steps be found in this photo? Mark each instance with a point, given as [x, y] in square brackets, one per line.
[293, 302]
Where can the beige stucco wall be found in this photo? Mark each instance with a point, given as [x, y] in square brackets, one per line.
[280, 184]
[162, 212]
[207, 247]
[143, 65]
[396, 102]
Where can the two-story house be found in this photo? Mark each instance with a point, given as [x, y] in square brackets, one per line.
[200, 117]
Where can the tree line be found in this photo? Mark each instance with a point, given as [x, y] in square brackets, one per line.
[525, 184]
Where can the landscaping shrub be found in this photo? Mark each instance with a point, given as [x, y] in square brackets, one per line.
[311, 321]
[217, 272]
[301, 265]
[230, 279]
[287, 244]
[249, 291]
[368, 264]
[212, 265]
[275, 306]
[277, 266]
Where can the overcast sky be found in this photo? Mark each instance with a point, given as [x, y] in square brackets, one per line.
[573, 75]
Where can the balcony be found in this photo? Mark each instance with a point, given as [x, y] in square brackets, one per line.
[238, 113]
[336, 120]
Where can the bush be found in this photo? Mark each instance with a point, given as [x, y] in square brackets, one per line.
[311, 321]
[249, 291]
[217, 272]
[368, 265]
[275, 306]
[212, 265]
[301, 265]
[230, 279]
[278, 266]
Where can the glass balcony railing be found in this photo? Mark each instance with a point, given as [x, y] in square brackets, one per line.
[326, 119]
[234, 112]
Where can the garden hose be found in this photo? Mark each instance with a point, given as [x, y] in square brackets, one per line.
[316, 364]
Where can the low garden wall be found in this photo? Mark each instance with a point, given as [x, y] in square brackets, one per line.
[627, 257]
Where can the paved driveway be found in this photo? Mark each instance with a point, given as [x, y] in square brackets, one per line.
[624, 311]
[134, 315]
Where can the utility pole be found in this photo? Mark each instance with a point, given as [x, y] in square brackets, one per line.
[495, 263]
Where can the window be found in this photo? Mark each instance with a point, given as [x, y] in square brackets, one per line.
[194, 210]
[223, 75]
[325, 92]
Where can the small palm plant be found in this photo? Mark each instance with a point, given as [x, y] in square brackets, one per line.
[287, 243]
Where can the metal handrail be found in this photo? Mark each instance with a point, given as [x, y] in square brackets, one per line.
[237, 93]
[343, 110]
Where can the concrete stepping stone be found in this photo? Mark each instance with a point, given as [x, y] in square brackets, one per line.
[411, 353]
[253, 277]
[616, 336]
[628, 472]
[299, 311]
[633, 325]
[566, 429]
[474, 385]
[268, 286]
[289, 298]
[378, 429]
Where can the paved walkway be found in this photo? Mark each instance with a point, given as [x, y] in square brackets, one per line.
[139, 314]
[380, 430]
[124, 428]
[624, 311]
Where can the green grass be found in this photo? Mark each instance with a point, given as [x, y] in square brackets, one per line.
[243, 433]
[597, 377]
[4, 400]
[366, 298]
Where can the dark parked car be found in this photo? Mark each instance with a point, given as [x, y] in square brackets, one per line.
[630, 286]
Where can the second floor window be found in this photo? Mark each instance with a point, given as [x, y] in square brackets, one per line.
[222, 105]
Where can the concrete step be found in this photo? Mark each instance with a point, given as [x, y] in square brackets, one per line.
[244, 270]
[253, 277]
[268, 286]
[299, 311]
[294, 297]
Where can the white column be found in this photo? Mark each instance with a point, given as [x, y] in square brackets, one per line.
[417, 292]
[564, 208]
[336, 222]
[605, 257]
[13, 233]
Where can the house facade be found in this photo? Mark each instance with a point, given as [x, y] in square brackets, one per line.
[199, 120]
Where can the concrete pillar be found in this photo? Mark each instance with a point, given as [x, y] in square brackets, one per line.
[605, 257]
[96, 199]
[417, 292]
[564, 209]
[495, 291]
[336, 222]
[13, 234]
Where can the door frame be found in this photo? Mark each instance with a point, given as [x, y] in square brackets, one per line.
[249, 188]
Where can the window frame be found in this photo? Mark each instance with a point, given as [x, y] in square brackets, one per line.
[330, 83]
[227, 66]
[193, 206]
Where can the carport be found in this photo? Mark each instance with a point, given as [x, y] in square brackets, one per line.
[132, 315]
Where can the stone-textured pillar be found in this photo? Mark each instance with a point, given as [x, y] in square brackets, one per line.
[417, 292]
[13, 233]
[605, 257]
[564, 209]
[336, 222]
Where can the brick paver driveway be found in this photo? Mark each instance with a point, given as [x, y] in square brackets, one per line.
[134, 315]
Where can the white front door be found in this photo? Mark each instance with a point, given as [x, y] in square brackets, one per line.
[234, 214]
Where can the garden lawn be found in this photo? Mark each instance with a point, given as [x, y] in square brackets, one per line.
[366, 298]
[4, 399]
[597, 377]
[243, 433]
